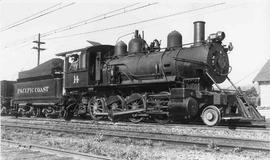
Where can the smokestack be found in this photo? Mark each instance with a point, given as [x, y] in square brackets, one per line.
[199, 35]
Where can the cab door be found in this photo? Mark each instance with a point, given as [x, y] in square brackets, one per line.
[94, 67]
[98, 67]
[96, 62]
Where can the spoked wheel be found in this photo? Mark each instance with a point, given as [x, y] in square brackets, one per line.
[136, 101]
[211, 116]
[69, 111]
[96, 105]
[115, 104]
[162, 119]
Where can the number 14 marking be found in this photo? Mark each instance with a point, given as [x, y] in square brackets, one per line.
[76, 79]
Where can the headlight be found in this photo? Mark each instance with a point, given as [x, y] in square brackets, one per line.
[216, 37]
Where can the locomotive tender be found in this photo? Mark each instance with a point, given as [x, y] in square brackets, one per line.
[141, 81]
[39, 90]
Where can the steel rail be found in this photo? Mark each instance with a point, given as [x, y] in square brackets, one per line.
[135, 127]
[119, 129]
[235, 126]
[186, 139]
[60, 152]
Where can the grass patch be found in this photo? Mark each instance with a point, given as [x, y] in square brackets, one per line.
[6, 136]
[213, 146]
[99, 137]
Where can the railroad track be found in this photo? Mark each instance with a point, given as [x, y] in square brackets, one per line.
[241, 126]
[58, 152]
[155, 136]
[171, 129]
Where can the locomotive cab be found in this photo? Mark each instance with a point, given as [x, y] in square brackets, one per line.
[83, 66]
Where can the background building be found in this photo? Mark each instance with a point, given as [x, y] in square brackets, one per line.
[262, 81]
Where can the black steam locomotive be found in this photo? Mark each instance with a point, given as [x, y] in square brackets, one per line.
[143, 81]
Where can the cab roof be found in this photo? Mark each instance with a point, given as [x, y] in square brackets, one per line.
[89, 48]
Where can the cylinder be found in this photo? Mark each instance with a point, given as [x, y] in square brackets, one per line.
[174, 39]
[199, 32]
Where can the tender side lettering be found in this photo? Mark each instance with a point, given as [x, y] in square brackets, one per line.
[33, 90]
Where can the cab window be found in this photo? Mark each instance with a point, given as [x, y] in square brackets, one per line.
[77, 61]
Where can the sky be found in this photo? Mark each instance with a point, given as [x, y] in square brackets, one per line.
[245, 23]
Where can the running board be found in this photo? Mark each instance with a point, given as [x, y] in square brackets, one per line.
[232, 117]
[239, 118]
[121, 113]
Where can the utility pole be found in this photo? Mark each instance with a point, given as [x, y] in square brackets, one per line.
[38, 48]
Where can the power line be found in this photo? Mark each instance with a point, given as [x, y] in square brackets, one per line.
[35, 14]
[19, 42]
[38, 16]
[87, 21]
[139, 22]
[26, 40]
[21, 45]
[245, 77]
[134, 23]
[103, 16]
[84, 22]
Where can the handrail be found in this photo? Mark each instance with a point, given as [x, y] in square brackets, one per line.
[213, 81]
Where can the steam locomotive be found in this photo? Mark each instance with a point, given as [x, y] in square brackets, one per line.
[138, 82]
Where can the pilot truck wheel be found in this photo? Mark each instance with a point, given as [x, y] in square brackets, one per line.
[211, 116]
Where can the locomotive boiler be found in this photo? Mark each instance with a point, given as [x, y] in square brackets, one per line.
[141, 81]
[207, 61]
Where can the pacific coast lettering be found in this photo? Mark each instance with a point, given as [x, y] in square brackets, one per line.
[33, 90]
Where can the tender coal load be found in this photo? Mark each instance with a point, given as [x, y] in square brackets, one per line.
[46, 69]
